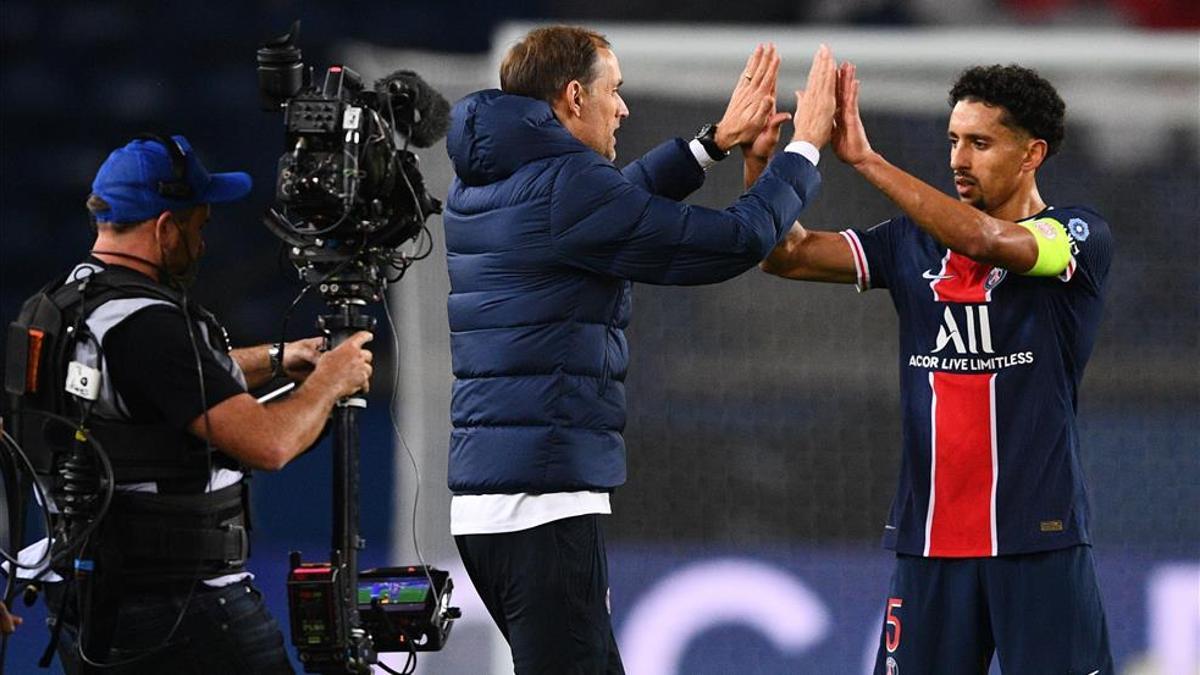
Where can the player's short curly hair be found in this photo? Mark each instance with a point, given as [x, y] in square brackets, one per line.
[1030, 102]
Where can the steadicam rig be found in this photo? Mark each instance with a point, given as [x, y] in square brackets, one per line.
[351, 205]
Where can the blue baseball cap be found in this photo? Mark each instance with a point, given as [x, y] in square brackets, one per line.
[131, 180]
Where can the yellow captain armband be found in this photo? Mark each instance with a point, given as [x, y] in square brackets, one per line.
[1054, 247]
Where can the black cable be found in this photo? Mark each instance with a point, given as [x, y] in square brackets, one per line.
[80, 541]
[10, 586]
[14, 449]
[287, 316]
[148, 652]
[410, 663]
[106, 480]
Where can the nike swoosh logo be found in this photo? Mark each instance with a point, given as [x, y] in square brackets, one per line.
[930, 275]
[1094, 672]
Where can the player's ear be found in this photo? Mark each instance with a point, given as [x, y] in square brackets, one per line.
[1035, 154]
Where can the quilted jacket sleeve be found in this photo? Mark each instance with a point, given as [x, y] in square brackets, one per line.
[603, 223]
[669, 170]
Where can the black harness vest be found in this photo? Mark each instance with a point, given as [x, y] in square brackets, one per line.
[180, 531]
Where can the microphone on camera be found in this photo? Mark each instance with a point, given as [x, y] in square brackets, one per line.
[420, 112]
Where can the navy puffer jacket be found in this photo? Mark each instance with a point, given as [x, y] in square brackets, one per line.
[543, 237]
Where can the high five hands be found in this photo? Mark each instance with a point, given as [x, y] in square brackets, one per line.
[752, 105]
[826, 110]
[850, 142]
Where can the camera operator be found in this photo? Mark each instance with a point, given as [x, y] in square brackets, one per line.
[170, 592]
[544, 236]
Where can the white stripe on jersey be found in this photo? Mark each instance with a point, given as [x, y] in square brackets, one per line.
[932, 460]
[862, 270]
[995, 460]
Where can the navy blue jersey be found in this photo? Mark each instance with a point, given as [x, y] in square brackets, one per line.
[990, 366]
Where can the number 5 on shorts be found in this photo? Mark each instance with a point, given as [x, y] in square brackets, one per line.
[893, 636]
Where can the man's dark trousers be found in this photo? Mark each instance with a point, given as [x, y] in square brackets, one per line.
[225, 630]
[547, 589]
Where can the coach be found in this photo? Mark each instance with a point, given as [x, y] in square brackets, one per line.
[543, 237]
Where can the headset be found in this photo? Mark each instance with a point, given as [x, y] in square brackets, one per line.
[178, 187]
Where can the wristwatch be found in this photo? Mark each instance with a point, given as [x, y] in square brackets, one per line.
[708, 139]
[275, 354]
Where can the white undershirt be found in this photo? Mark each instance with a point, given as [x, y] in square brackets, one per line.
[802, 148]
[498, 513]
[493, 514]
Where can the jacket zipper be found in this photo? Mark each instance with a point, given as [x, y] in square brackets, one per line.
[608, 327]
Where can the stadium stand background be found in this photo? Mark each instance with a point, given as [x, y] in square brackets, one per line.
[763, 427]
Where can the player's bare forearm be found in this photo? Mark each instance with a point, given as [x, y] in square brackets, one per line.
[956, 225]
[752, 168]
[809, 255]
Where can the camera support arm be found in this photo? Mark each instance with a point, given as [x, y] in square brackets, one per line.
[352, 650]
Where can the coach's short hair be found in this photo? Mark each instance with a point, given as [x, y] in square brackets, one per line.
[546, 59]
[1030, 102]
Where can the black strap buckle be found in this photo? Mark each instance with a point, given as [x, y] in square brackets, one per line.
[238, 548]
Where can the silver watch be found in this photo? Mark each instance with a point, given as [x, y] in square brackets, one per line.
[275, 354]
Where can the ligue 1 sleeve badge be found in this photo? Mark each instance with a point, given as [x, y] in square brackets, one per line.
[1078, 228]
[994, 277]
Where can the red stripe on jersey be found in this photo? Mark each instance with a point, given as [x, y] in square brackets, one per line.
[961, 280]
[961, 501]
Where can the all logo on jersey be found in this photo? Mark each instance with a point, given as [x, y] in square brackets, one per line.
[964, 344]
[976, 326]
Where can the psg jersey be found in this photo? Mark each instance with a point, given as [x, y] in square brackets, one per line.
[990, 367]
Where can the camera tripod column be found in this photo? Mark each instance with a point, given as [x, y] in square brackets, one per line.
[346, 541]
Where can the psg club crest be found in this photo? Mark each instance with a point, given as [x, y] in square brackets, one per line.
[892, 667]
[1078, 229]
[994, 278]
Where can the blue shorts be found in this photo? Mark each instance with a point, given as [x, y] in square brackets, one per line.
[1039, 612]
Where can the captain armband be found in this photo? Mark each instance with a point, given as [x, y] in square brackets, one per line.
[1054, 247]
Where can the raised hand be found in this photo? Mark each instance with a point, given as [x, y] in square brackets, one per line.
[850, 142]
[753, 100]
[815, 103]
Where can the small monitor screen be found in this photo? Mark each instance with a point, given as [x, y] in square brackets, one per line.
[398, 594]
